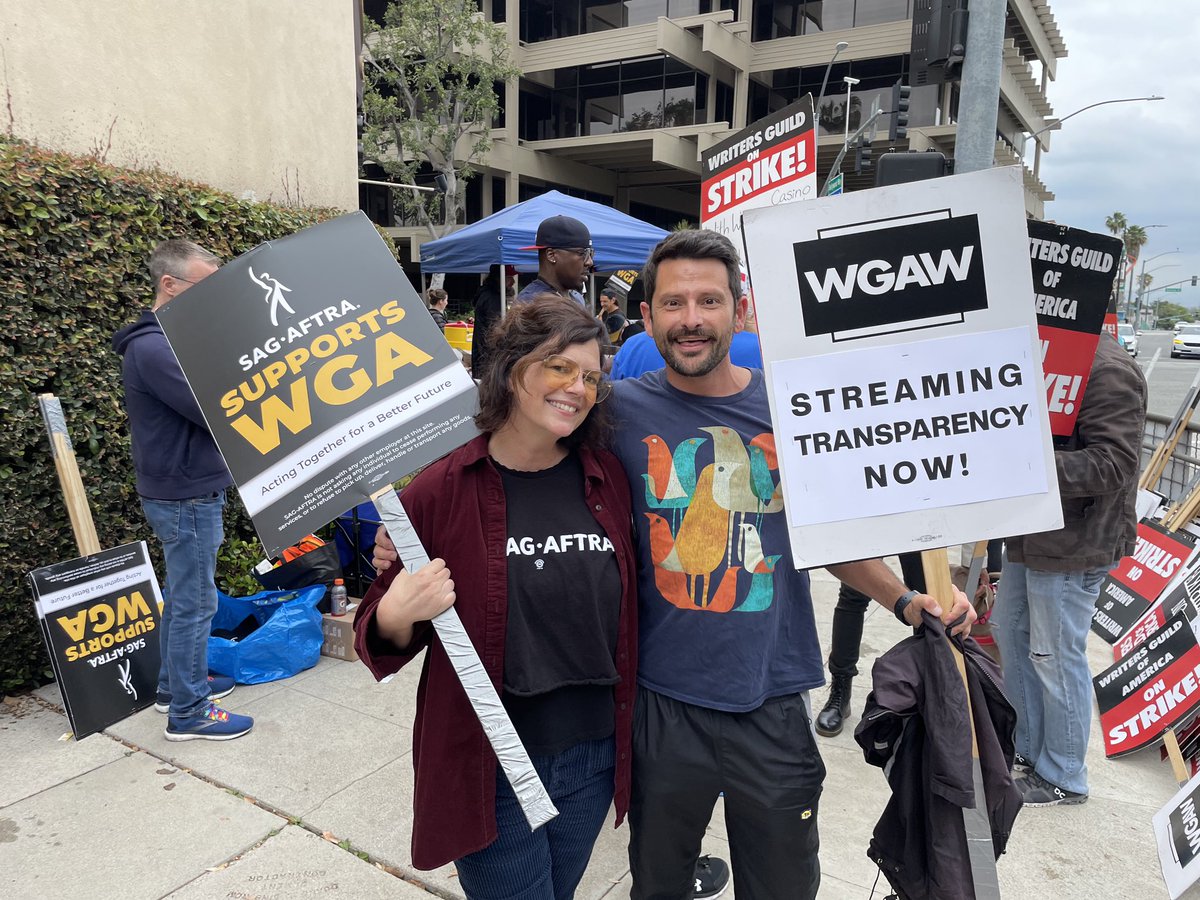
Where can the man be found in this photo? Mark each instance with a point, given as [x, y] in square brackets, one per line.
[1051, 580]
[610, 313]
[718, 575]
[728, 646]
[639, 355]
[564, 247]
[181, 479]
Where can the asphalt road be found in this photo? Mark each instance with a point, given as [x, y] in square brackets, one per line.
[1169, 379]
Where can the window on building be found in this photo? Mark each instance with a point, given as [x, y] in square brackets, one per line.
[773, 19]
[876, 77]
[544, 20]
[631, 95]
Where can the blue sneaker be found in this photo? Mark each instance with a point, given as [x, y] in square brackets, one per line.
[211, 724]
[218, 686]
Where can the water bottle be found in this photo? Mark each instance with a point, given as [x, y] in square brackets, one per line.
[337, 598]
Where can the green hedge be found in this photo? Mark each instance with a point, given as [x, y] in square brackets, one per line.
[75, 238]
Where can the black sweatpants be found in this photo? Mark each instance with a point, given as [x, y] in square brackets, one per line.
[766, 762]
[850, 611]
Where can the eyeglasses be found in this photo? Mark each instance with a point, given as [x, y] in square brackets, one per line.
[184, 280]
[561, 372]
[587, 253]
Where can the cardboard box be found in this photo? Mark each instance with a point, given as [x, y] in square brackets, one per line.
[339, 634]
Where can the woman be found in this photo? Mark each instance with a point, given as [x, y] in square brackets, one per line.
[532, 520]
[438, 301]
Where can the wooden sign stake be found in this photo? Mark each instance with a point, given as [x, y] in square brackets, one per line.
[68, 475]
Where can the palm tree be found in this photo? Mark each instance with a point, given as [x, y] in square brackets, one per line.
[1135, 238]
[1116, 225]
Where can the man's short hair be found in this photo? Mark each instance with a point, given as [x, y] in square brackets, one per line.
[171, 258]
[611, 293]
[693, 243]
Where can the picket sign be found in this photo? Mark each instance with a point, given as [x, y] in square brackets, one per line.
[493, 717]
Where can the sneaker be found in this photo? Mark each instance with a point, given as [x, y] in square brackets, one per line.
[1021, 766]
[211, 724]
[712, 877]
[218, 686]
[1037, 791]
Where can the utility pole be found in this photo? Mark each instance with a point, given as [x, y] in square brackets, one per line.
[975, 145]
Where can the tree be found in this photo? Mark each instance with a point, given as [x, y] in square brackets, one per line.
[1116, 223]
[429, 99]
[1135, 239]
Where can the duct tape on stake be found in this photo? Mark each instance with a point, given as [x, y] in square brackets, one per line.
[535, 802]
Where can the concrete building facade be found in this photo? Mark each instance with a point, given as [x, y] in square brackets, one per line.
[253, 97]
[618, 98]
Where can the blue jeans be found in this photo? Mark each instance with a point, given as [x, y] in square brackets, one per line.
[1041, 623]
[546, 864]
[191, 532]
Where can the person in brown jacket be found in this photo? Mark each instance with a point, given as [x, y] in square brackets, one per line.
[1051, 580]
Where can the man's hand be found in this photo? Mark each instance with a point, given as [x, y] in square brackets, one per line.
[912, 613]
[385, 551]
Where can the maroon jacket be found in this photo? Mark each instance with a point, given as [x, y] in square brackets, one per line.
[457, 507]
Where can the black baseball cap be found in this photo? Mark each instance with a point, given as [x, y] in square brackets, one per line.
[561, 231]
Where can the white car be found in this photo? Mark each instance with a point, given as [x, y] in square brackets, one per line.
[1186, 342]
[1127, 336]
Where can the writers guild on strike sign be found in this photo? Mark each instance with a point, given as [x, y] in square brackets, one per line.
[1137, 580]
[1148, 691]
[1073, 274]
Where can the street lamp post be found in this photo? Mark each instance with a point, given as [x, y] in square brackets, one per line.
[1141, 288]
[838, 48]
[1138, 280]
[1057, 123]
[850, 83]
[1124, 256]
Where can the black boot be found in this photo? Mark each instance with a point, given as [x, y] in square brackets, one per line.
[831, 718]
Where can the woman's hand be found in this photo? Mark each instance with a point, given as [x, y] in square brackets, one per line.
[414, 597]
[385, 551]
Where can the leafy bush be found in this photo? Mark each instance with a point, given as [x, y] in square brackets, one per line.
[75, 238]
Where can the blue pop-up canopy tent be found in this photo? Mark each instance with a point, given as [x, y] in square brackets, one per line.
[620, 241]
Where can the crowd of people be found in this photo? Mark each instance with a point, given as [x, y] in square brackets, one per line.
[628, 585]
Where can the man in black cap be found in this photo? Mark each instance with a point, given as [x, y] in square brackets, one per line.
[564, 247]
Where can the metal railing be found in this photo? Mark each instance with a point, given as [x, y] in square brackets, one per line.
[1179, 476]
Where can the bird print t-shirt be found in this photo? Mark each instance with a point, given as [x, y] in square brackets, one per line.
[725, 621]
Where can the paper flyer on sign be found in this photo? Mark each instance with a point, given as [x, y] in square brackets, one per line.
[879, 429]
[1177, 833]
[320, 375]
[906, 314]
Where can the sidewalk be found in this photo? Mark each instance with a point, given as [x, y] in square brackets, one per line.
[127, 814]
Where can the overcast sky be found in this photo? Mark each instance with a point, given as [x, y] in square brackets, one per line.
[1142, 159]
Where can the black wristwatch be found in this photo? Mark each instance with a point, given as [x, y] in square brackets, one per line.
[902, 605]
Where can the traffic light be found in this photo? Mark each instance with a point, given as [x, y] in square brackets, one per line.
[898, 126]
[863, 152]
[1193, 281]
